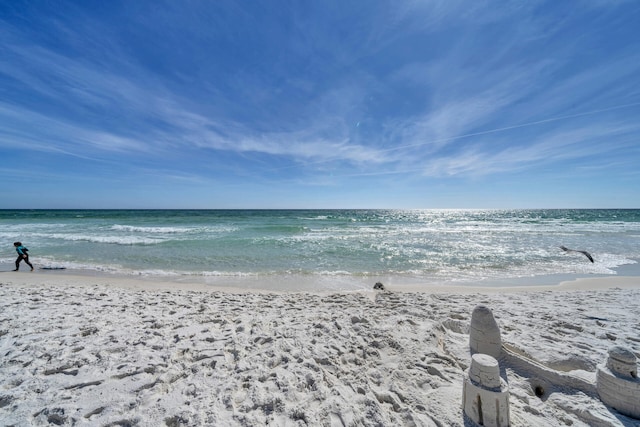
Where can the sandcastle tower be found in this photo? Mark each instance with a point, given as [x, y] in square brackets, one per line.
[485, 395]
[617, 382]
[484, 334]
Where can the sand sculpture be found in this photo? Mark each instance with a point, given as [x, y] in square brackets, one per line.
[484, 334]
[486, 394]
[617, 381]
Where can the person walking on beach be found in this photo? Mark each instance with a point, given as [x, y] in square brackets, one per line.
[22, 255]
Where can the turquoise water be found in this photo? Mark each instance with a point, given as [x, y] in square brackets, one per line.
[331, 247]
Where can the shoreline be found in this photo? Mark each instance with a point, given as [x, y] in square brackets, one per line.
[239, 285]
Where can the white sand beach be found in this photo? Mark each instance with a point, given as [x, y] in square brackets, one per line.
[100, 351]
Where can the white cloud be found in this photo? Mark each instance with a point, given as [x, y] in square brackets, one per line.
[587, 144]
[472, 91]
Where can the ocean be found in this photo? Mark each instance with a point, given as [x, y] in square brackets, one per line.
[326, 249]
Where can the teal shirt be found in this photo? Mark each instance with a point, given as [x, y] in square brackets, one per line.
[21, 250]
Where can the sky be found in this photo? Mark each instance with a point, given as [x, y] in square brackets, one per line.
[319, 104]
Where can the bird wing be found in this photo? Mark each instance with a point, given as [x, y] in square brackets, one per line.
[587, 254]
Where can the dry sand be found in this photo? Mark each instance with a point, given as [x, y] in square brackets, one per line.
[102, 351]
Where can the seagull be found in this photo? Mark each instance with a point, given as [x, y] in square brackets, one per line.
[585, 253]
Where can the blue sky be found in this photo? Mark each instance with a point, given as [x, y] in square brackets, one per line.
[319, 104]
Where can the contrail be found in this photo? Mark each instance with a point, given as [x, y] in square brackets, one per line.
[538, 122]
[486, 132]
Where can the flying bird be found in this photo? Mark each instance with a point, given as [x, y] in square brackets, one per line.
[585, 253]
